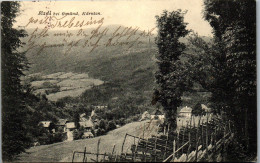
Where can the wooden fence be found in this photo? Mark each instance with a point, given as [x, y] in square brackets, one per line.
[194, 142]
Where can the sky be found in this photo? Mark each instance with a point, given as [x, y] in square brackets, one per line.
[128, 12]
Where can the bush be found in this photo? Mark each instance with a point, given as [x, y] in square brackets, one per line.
[122, 121]
[77, 134]
[45, 138]
[111, 126]
[102, 124]
[103, 131]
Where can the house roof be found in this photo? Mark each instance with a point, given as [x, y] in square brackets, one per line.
[45, 123]
[100, 107]
[88, 123]
[146, 112]
[62, 122]
[82, 115]
[204, 107]
[70, 125]
[88, 133]
[186, 110]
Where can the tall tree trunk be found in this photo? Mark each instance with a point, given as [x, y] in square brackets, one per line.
[171, 120]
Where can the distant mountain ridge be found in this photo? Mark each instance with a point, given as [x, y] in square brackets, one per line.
[132, 68]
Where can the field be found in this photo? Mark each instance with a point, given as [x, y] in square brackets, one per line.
[61, 84]
[63, 151]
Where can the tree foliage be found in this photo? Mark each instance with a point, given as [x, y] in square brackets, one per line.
[170, 77]
[14, 133]
[197, 110]
[234, 86]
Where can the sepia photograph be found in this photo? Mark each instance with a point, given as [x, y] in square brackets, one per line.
[129, 81]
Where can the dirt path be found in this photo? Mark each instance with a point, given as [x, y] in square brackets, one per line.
[63, 151]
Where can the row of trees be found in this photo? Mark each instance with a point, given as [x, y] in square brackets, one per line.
[224, 66]
[14, 133]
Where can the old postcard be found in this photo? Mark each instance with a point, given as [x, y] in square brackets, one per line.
[128, 81]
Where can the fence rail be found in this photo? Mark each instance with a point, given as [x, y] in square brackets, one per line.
[194, 142]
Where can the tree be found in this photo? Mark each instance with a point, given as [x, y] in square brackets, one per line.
[170, 77]
[111, 125]
[234, 25]
[76, 118]
[102, 124]
[13, 63]
[197, 110]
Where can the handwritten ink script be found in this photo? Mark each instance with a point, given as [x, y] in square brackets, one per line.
[67, 30]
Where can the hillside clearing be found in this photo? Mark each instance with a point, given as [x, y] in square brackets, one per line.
[63, 151]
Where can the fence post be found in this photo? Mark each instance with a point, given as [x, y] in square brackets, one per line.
[155, 147]
[207, 144]
[73, 156]
[136, 148]
[113, 149]
[116, 157]
[174, 144]
[188, 153]
[165, 152]
[168, 130]
[183, 136]
[178, 141]
[145, 149]
[84, 154]
[224, 145]
[143, 130]
[202, 134]
[197, 146]
[98, 148]
[123, 144]
[194, 122]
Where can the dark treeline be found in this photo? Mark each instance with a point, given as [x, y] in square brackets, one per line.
[224, 66]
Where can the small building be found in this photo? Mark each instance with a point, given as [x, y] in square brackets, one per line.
[157, 114]
[70, 126]
[88, 125]
[48, 125]
[185, 112]
[61, 125]
[87, 134]
[205, 108]
[100, 107]
[45, 124]
[145, 116]
[82, 117]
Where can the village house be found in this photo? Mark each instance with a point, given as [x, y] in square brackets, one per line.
[100, 107]
[70, 127]
[61, 125]
[185, 112]
[145, 116]
[87, 125]
[87, 134]
[48, 125]
[205, 108]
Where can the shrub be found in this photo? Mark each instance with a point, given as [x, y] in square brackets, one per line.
[111, 126]
[102, 124]
[122, 121]
[77, 134]
[99, 132]
[58, 137]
